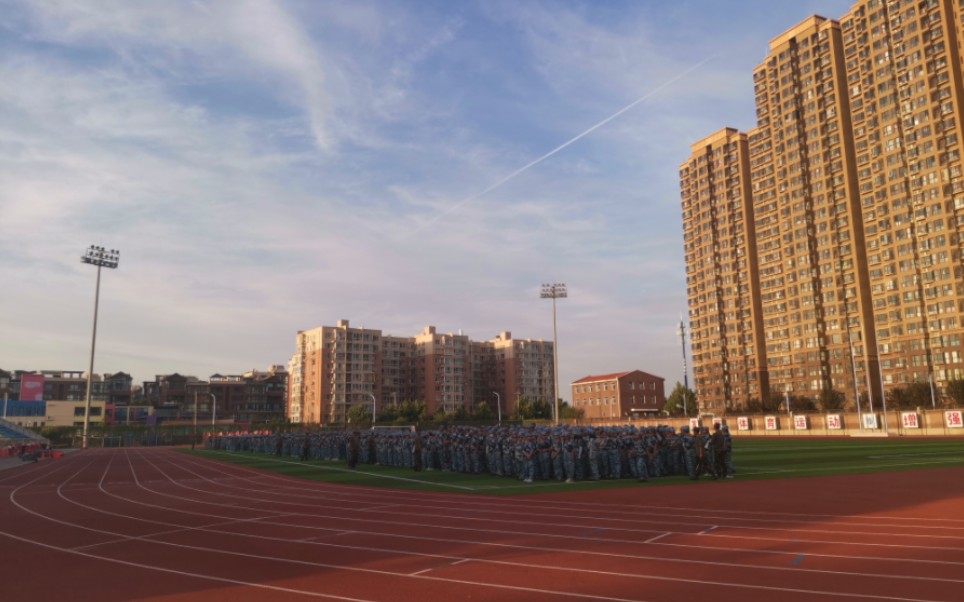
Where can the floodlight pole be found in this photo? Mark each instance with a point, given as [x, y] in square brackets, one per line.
[681, 331]
[102, 258]
[554, 291]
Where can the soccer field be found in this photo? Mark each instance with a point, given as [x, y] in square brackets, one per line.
[755, 459]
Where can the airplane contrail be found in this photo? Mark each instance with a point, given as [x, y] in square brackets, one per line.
[565, 144]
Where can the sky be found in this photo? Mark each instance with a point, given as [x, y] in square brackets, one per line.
[266, 167]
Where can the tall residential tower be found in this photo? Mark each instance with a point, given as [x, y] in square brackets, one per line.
[823, 247]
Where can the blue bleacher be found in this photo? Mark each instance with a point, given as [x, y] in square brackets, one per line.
[11, 432]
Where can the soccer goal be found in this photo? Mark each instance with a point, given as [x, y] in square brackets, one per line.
[394, 427]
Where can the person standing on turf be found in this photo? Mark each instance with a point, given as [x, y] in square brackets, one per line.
[718, 451]
[699, 444]
[728, 452]
[689, 452]
[592, 449]
[354, 447]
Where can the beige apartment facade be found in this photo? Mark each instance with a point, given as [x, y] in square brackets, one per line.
[853, 238]
[338, 367]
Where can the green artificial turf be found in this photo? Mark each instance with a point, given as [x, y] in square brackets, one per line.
[754, 458]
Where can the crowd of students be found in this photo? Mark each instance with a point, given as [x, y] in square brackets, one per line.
[561, 453]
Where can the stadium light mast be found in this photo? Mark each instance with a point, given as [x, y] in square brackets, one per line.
[102, 258]
[681, 331]
[554, 291]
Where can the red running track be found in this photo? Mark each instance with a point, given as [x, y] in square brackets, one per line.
[155, 524]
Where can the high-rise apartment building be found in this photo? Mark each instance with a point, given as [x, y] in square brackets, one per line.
[337, 367]
[823, 248]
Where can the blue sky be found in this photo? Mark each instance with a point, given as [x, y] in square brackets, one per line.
[268, 167]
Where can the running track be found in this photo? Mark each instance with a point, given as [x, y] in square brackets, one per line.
[155, 524]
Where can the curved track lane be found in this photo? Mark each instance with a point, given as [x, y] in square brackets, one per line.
[143, 524]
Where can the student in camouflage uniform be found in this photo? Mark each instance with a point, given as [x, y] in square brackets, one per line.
[593, 453]
[556, 455]
[718, 451]
[544, 456]
[560, 453]
[639, 457]
[612, 455]
[354, 449]
[689, 452]
[728, 453]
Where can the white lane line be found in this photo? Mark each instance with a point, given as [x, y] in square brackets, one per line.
[658, 537]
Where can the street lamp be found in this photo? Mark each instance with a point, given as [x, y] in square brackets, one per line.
[374, 409]
[214, 408]
[102, 258]
[194, 435]
[498, 405]
[4, 383]
[853, 366]
[880, 372]
[554, 291]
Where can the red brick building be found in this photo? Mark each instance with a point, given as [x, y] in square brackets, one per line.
[619, 396]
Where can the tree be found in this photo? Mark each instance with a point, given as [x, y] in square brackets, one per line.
[388, 413]
[955, 392]
[832, 399]
[408, 412]
[754, 406]
[567, 412]
[524, 410]
[909, 397]
[440, 416]
[359, 415]
[773, 401]
[482, 411]
[799, 403]
[681, 397]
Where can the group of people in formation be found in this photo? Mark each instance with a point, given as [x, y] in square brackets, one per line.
[563, 453]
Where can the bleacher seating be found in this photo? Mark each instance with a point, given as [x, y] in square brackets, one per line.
[13, 436]
[9, 433]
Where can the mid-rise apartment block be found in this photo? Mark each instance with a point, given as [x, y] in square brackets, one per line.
[338, 367]
[824, 246]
